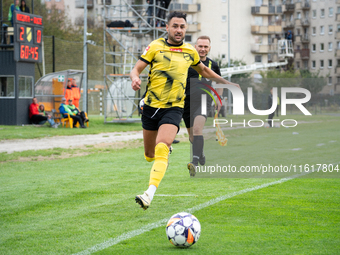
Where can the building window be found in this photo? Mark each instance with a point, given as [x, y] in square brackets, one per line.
[7, 86]
[338, 27]
[258, 59]
[330, 80]
[322, 15]
[305, 64]
[224, 37]
[258, 21]
[314, 31]
[224, 18]
[330, 29]
[188, 38]
[322, 30]
[338, 45]
[298, 15]
[313, 64]
[338, 64]
[330, 11]
[314, 14]
[330, 63]
[321, 64]
[224, 56]
[338, 9]
[330, 46]
[26, 86]
[314, 47]
[298, 31]
[297, 64]
[322, 47]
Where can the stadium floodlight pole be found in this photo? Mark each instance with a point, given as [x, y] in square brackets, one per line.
[85, 59]
[229, 76]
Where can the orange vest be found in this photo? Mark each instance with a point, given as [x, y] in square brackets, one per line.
[69, 94]
[76, 95]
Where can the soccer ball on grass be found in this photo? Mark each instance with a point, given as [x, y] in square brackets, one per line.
[183, 229]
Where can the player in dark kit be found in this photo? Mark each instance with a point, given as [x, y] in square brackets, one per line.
[193, 118]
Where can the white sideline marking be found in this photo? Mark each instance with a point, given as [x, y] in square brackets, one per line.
[320, 144]
[179, 195]
[332, 141]
[151, 226]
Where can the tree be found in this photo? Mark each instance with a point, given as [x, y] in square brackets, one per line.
[312, 81]
[279, 78]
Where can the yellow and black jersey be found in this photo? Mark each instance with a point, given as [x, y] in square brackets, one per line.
[168, 73]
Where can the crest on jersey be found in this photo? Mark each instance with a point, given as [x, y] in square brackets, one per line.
[187, 56]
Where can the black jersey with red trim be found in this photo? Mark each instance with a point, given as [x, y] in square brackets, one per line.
[195, 82]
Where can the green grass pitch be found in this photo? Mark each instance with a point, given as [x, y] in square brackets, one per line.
[68, 206]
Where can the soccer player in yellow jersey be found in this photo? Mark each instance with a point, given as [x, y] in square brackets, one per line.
[169, 60]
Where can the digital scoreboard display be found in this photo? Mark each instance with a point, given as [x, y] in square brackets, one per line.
[27, 37]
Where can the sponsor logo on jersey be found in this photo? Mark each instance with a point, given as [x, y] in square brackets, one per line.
[176, 49]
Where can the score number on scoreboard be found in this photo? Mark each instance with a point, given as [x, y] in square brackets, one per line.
[28, 37]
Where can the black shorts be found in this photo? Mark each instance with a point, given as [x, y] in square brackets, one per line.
[188, 116]
[153, 118]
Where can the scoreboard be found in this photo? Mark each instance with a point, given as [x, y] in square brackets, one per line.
[27, 37]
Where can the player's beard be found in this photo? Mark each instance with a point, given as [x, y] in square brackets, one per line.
[173, 39]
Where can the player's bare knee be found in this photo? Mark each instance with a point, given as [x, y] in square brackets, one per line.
[197, 131]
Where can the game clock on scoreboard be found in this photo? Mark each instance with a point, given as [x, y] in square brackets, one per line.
[28, 37]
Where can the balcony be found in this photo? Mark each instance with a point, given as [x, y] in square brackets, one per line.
[263, 10]
[266, 29]
[289, 7]
[187, 8]
[262, 48]
[80, 4]
[306, 6]
[194, 27]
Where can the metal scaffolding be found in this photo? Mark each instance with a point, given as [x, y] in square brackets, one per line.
[129, 26]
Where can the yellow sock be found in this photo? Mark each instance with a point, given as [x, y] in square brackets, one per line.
[148, 159]
[160, 165]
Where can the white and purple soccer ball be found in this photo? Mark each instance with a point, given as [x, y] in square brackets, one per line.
[183, 229]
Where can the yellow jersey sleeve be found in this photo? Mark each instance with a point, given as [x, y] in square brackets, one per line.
[149, 53]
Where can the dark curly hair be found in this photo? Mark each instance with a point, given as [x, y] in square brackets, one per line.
[177, 15]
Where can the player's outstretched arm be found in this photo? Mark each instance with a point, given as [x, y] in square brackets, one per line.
[134, 74]
[211, 75]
